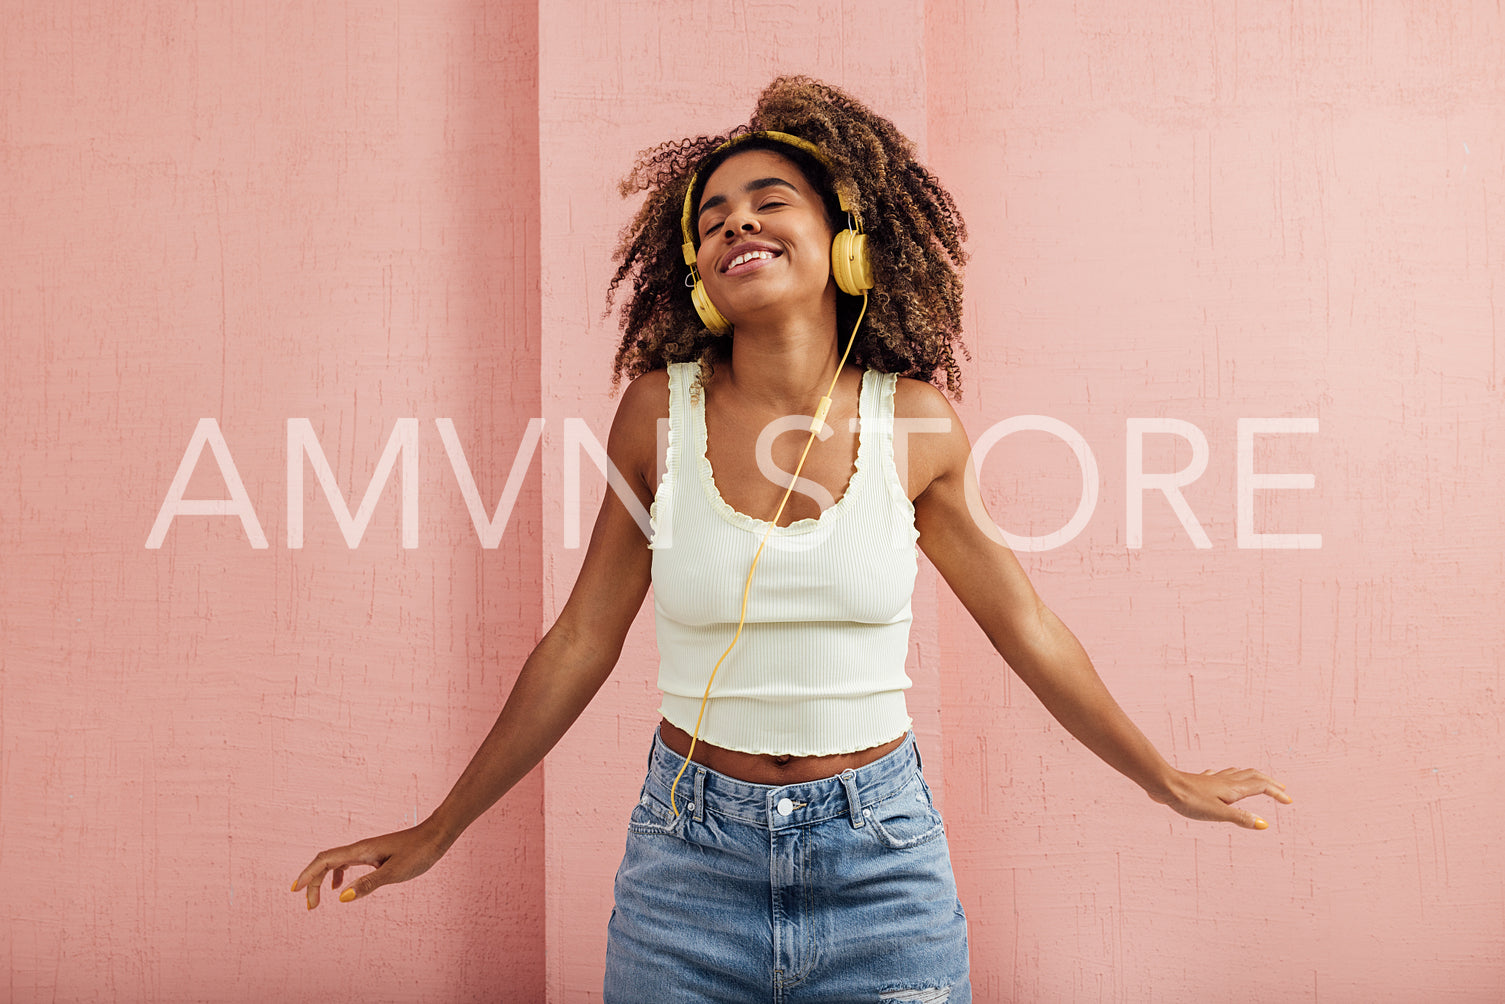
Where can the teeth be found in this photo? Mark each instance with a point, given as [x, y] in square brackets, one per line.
[749, 256]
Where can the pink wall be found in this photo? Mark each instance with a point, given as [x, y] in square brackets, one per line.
[1210, 212]
[254, 214]
[1203, 213]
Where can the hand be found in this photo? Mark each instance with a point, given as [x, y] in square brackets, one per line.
[396, 857]
[1211, 796]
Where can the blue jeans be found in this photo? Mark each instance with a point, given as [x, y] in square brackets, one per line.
[832, 890]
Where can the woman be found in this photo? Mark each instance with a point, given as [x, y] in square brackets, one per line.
[785, 846]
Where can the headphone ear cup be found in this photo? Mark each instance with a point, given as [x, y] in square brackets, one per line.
[712, 318]
[850, 263]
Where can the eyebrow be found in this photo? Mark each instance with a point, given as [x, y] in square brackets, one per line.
[751, 186]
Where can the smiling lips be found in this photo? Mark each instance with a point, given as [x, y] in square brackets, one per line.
[748, 257]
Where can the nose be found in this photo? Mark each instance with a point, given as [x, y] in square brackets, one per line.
[745, 222]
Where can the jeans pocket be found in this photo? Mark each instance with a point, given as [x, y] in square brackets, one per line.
[652, 817]
[907, 818]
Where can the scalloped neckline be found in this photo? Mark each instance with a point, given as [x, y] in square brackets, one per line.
[809, 523]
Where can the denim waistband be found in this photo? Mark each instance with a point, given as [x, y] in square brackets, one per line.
[702, 790]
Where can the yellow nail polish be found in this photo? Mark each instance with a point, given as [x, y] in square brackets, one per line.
[347, 895]
[295, 886]
[1259, 824]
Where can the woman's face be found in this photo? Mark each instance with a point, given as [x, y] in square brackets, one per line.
[765, 241]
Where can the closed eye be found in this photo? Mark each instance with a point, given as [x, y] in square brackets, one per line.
[712, 226]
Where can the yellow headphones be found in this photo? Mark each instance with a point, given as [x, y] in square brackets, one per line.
[850, 264]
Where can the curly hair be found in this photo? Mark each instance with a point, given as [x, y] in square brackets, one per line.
[915, 234]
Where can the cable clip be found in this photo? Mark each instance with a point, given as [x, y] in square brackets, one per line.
[819, 421]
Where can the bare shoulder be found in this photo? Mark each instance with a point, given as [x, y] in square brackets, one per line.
[918, 399]
[633, 445]
[646, 398]
[935, 443]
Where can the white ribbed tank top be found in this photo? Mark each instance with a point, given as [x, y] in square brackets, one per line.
[819, 668]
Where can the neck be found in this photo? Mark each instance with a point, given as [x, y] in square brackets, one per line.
[788, 365]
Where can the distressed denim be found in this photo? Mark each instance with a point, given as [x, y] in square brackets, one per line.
[837, 890]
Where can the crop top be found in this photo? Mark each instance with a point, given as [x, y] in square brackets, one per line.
[819, 668]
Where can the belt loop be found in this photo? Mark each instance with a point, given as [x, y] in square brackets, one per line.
[700, 794]
[854, 800]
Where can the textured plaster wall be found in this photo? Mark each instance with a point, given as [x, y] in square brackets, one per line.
[256, 212]
[1210, 211]
[1193, 212]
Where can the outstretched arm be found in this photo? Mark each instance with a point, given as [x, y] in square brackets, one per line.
[967, 548]
[559, 678]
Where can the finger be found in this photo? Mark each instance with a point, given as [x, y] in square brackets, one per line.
[1246, 819]
[338, 879]
[313, 891]
[338, 858]
[1242, 772]
[317, 867]
[1254, 783]
[366, 885]
[1222, 808]
[310, 877]
[1260, 776]
[306, 874]
[1274, 788]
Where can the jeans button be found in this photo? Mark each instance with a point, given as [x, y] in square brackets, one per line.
[785, 807]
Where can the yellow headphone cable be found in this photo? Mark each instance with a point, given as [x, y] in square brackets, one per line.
[815, 426]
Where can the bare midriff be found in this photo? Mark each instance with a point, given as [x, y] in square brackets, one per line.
[765, 768]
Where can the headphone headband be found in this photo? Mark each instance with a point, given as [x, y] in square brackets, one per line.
[778, 137]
